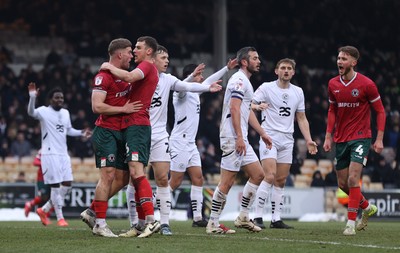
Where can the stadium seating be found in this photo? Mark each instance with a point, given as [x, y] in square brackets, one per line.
[84, 171]
[325, 166]
[302, 181]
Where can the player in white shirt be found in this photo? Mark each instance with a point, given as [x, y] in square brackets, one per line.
[159, 150]
[280, 102]
[236, 152]
[55, 125]
[182, 143]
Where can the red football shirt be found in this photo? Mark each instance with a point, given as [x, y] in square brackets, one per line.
[143, 91]
[37, 162]
[117, 95]
[353, 106]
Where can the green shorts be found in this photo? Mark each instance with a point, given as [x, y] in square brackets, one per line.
[109, 148]
[352, 151]
[138, 140]
[43, 189]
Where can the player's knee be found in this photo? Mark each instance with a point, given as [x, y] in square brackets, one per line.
[197, 181]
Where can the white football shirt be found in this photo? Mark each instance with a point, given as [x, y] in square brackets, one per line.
[54, 128]
[187, 110]
[238, 86]
[159, 104]
[283, 105]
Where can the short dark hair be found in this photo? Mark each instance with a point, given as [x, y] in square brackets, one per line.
[150, 42]
[50, 94]
[352, 51]
[243, 53]
[119, 43]
[161, 49]
[188, 69]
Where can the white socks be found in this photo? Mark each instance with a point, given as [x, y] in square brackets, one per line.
[164, 200]
[131, 203]
[249, 193]
[196, 197]
[277, 203]
[262, 196]
[57, 201]
[218, 203]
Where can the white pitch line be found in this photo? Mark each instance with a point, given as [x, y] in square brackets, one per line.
[369, 246]
[303, 241]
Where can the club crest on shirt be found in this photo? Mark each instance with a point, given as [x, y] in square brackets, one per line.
[355, 93]
[285, 97]
[98, 80]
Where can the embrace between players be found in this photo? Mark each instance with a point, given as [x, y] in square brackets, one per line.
[127, 136]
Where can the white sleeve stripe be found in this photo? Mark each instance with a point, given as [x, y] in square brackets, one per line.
[103, 91]
[376, 99]
[142, 74]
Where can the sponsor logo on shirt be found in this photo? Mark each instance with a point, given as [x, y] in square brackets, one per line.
[351, 105]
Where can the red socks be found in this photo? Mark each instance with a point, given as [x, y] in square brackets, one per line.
[145, 194]
[354, 202]
[100, 208]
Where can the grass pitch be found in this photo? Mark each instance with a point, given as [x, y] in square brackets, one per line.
[28, 236]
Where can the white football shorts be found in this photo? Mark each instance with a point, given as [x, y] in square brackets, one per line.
[231, 160]
[184, 155]
[282, 147]
[159, 150]
[56, 168]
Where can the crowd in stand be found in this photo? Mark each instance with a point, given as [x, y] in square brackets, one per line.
[277, 31]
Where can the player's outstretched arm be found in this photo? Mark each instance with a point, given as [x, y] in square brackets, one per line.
[33, 92]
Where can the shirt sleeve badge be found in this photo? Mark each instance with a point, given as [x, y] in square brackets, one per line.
[98, 80]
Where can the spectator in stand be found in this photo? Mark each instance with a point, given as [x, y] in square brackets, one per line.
[387, 174]
[317, 180]
[21, 177]
[210, 161]
[331, 179]
[20, 147]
